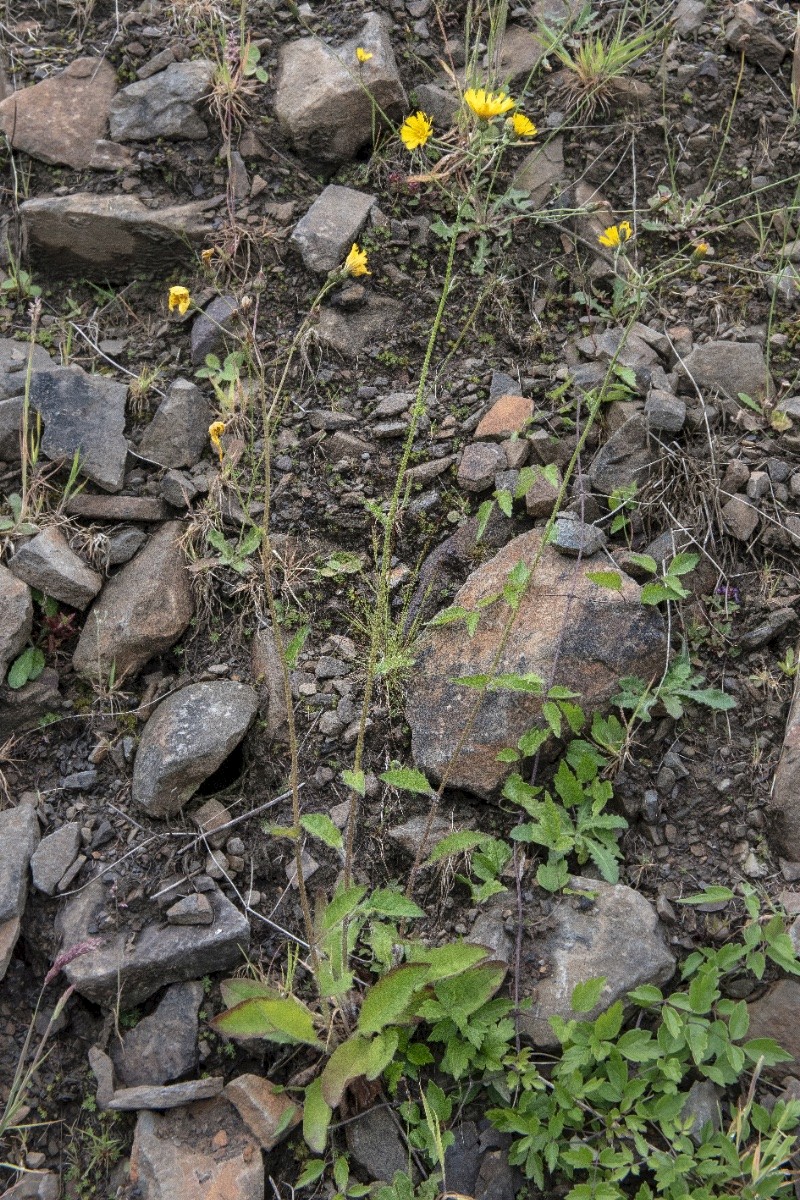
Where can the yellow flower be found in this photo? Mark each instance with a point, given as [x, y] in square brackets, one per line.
[207, 255]
[363, 55]
[523, 127]
[215, 432]
[356, 262]
[416, 130]
[487, 104]
[701, 249]
[179, 298]
[615, 235]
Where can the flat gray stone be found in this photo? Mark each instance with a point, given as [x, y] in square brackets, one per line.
[618, 935]
[14, 365]
[187, 738]
[211, 327]
[371, 326]
[729, 367]
[19, 836]
[163, 1046]
[479, 464]
[175, 1155]
[574, 537]
[191, 910]
[741, 518]
[141, 612]
[109, 236]
[9, 935]
[664, 412]
[624, 459]
[142, 963]
[330, 227]
[375, 1143]
[178, 432]
[84, 415]
[54, 855]
[541, 171]
[22, 708]
[48, 563]
[172, 1095]
[16, 606]
[326, 103]
[163, 105]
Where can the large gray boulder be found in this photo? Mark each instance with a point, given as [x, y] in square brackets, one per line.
[47, 562]
[591, 635]
[178, 432]
[84, 415]
[141, 612]
[190, 734]
[610, 930]
[164, 105]
[327, 103]
[729, 367]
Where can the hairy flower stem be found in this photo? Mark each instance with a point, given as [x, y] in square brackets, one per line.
[382, 615]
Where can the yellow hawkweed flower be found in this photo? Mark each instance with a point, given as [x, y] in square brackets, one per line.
[215, 432]
[356, 262]
[615, 235]
[416, 130]
[700, 250]
[487, 104]
[179, 298]
[523, 126]
[207, 255]
[363, 55]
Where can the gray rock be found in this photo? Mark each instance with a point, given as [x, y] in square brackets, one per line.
[748, 31]
[618, 935]
[14, 365]
[729, 367]
[785, 285]
[35, 1185]
[266, 668]
[54, 855]
[48, 563]
[263, 1107]
[330, 227]
[173, 1095]
[375, 1144]
[211, 327]
[479, 464]
[349, 333]
[84, 415]
[140, 965]
[541, 171]
[178, 432]
[595, 635]
[191, 910]
[326, 104]
[16, 606]
[624, 459]
[774, 1015]
[702, 1105]
[9, 935]
[626, 348]
[688, 16]
[11, 418]
[176, 1155]
[123, 545]
[574, 537]
[784, 802]
[438, 103]
[108, 236]
[141, 612]
[22, 708]
[519, 53]
[117, 508]
[664, 412]
[541, 496]
[741, 518]
[177, 489]
[189, 735]
[163, 105]
[163, 1046]
[19, 837]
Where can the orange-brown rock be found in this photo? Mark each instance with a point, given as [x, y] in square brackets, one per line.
[567, 630]
[508, 415]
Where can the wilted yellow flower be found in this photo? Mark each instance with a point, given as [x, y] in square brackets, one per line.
[416, 130]
[207, 255]
[701, 249]
[363, 55]
[615, 235]
[487, 104]
[179, 298]
[356, 262]
[215, 432]
[523, 126]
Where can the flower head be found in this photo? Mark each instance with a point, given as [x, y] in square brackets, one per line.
[416, 130]
[700, 250]
[179, 298]
[215, 432]
[363, 55]
[207, 255]
[487, 104]
[356, 262]
[523, 126]
[616, 235]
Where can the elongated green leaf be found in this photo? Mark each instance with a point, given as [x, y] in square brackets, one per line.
[446, 961]
[355, 780]
[382, 1050]
[682, 564]
[316, 1117]
[282, 1020]
[711, 895]
[311, 1172]
[319, 825]
[466, 993]
[448, 615]
[457, 842]
[235, 990]
[586, 995]
[348, 1062]
[388, 902]
[342, 904]
[609, 1023]
[606, 579]
[389, 997]
[407, 779]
